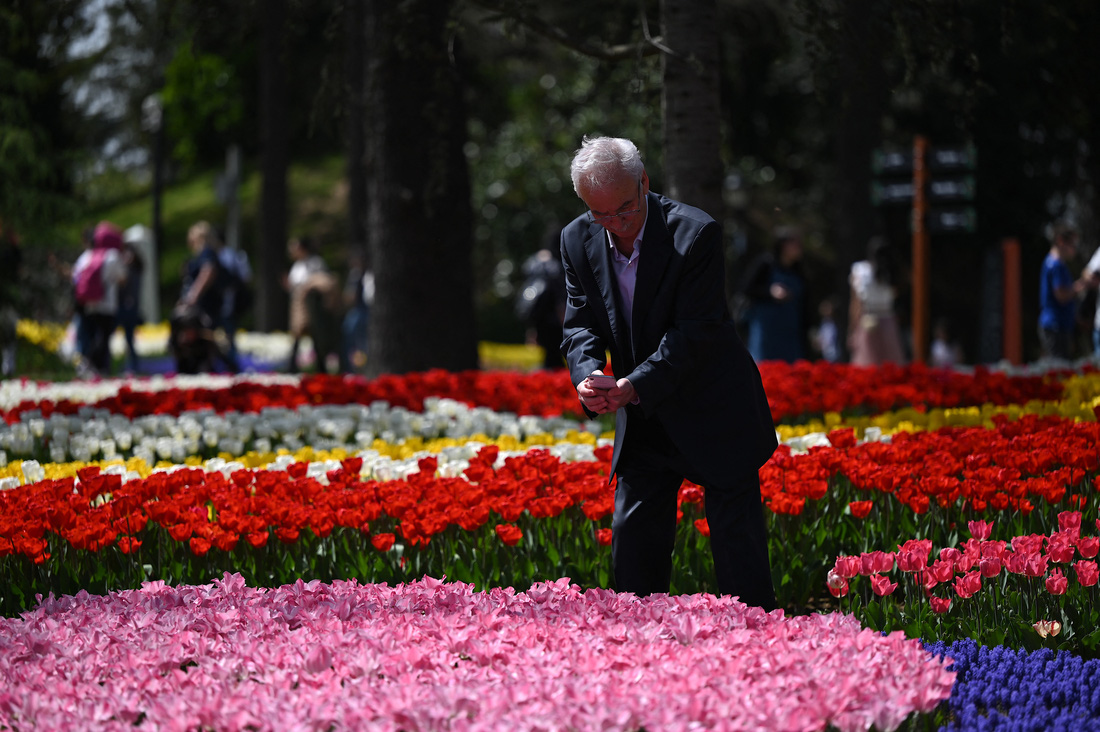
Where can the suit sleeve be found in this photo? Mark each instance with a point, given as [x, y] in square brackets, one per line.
[699, 321]
[583, 346]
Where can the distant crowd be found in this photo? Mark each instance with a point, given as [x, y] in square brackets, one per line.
[216, 293]
[771, 304]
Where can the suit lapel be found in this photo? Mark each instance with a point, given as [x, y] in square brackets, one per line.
[655, 253]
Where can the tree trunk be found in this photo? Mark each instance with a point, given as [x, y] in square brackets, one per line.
[418, 191]
[690, 104]
[355, 59]
[271, 258]
[862, 100]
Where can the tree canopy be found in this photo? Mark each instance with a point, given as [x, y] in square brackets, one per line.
[808, 90]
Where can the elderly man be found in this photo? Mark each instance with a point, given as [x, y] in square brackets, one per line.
[645, 282]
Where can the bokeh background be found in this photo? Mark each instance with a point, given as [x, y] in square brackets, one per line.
[433, 137]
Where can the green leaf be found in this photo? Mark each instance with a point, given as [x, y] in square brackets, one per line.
[874, 615]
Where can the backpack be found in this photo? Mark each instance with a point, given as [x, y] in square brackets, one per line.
[238, 279]
[89, 280]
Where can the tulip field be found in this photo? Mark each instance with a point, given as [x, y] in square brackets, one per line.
[432, 551]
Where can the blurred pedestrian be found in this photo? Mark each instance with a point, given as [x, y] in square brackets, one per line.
[777, 326]
[237, 294]
[129, 302]
[199, 308]
[873, 333]
[1090, 281]
[540, 304]
[11, 261]
[827, 336]
[203, 284]
[314, 304]
[945, 351]
[358, 296]
[97, 274]
[1058, 294]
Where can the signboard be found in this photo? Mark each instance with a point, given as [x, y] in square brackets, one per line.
[888, 162]
[960, 157]
[953, 220]
[951, 189]
[899, 192]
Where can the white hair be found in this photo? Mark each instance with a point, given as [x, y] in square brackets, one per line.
[602, 159]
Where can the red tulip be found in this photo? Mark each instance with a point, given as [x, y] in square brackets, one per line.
[940, 605]
[383, 542]
[860, 509]
[509, 534]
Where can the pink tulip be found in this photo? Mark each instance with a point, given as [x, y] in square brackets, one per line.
[882, 585]
[1028, 544]
[1070, 521]
[838, 586]
[1015, 562]
[876, 561]
[913, 555]
[1087, 573]
[968, 584]
[1060, 549]
[942, 570]
[1035, 565]
[1057, 583]
[991, 566]
[847, 567]
[1088, 546]
[980, 530]
[993, 549]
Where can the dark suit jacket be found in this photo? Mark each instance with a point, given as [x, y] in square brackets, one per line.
[683, 355]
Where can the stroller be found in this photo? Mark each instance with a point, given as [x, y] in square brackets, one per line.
[191, 341]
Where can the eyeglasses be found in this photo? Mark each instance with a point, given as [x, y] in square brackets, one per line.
[598, 218]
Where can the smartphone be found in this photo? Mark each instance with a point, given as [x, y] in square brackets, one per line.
[601, 381]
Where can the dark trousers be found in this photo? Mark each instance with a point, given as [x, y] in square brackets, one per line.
[97, 332]
[649, 474]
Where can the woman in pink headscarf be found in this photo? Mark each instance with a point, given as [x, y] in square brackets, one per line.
[96, 277]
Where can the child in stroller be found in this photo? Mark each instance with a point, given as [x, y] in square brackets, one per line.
[191, 340]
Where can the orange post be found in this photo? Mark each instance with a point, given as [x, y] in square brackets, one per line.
[920, 251]
[1013, 328]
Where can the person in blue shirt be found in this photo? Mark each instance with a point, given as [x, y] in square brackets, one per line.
[777, 320]
[1058, 295]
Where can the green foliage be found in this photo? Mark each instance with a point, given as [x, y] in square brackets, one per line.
[203, 108]
[36, 135]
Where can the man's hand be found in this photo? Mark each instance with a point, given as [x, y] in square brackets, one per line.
[602, 401]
